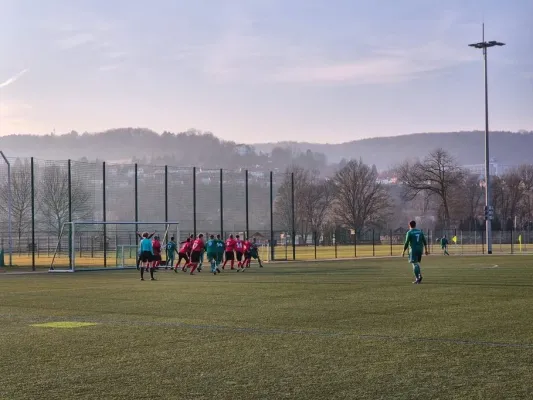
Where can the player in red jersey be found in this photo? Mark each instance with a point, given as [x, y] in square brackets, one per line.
[196, 253]
[229, 254]
[183, 254]
[246, 244]
[156, 244]
[239, 251]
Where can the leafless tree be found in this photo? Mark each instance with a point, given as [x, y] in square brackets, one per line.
[20, 198]
[437, 175]
[360, 200]
[54, 198]
[316, 203]
[467, 199]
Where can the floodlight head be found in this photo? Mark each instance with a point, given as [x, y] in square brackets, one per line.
[477, 45]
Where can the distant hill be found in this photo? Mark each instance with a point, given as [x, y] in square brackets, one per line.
[206, 150]
[467, 147]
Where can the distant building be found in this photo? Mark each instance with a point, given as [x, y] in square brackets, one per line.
[495, 168]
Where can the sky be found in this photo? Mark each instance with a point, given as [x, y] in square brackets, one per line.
[250, 71]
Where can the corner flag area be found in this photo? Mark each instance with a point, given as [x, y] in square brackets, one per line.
[319, 330]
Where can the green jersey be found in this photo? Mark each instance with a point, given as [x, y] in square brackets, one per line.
[220, 246]
[211, 246]
[444, 242]
[171, 248]
[416, 240]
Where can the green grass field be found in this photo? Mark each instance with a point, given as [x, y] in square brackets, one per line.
[318, 330]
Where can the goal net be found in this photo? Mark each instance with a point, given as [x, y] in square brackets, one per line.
[93, 245]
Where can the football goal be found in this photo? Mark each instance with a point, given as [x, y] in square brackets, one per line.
[98, 245]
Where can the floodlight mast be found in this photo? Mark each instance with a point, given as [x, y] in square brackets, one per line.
[488, 207]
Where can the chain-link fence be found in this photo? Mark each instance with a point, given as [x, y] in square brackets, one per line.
[37, 198]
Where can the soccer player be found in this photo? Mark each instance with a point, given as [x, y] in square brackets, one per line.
[239, 250]
[254, 253]
[156, 244]
[211, 251]
[416, 241]
[183, 254]
[246, 244]
[444, 245]
[197, 249]
[146, 252]
[220, 253]
[172, 248]
[229, 254]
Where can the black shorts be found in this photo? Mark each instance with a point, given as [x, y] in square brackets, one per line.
[196, 256]
[146, 256]
[247, 255]
[183, 256]
[239, 256]
[156, 257]
[230, 255]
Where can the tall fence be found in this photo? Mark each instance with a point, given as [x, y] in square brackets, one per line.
[37, 197]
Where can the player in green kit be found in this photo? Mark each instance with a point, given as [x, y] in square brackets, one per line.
[211, 251]
[416, 241]
[220, 252]
[172, 248]
[444, 245]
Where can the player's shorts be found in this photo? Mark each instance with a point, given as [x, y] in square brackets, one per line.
[247, 255]
[156, 257]
[211, 257]
[183, 256]
[415, 256]
[196, 256]
[254, 254]
[230, 255]
[219, 257]
[239, 256]
[146, 256]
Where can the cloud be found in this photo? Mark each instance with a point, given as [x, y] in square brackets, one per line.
[110, 67]
[76, 40]
[14, 78]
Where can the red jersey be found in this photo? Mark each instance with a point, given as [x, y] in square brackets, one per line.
[156, 245]
[185, 247]
[230, 245]
[198, 245]
[239, 246]
[247, 245]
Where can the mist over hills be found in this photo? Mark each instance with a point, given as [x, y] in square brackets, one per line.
[205, 150]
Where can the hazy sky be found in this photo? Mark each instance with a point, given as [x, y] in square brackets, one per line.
[263, 70]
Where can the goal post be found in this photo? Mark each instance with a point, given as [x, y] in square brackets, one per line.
[82, 246]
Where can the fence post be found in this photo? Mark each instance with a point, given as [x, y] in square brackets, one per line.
[482, 242]
[70, 249]
[512, 241]
[373, 244]
[221, 204]
[136, 199]
[391, 242]
[247, 205]
[271, 216]
[293, 235]
[166, 197]
[355, 242]
[32, 213]
[194, 200]
[104, 214]
[315, 243]
[336, 235]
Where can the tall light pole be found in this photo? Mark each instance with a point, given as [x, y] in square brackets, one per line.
[489, 211]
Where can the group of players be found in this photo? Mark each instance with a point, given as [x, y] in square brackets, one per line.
[192, 252]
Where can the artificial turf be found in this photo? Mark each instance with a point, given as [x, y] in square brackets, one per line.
[321, 330]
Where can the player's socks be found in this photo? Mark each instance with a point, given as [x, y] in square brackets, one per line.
[142, 273]
[152, 273]
[232, 264]
[193, 268]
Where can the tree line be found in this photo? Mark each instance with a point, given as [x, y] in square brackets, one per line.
[435, 190]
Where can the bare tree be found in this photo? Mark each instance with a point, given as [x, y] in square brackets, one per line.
[54, 198]
[316, 204]
[20, 198]
[467, 199]
[437, 175]
[360, 199]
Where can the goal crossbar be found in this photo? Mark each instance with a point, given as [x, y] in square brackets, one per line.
[72, 237]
